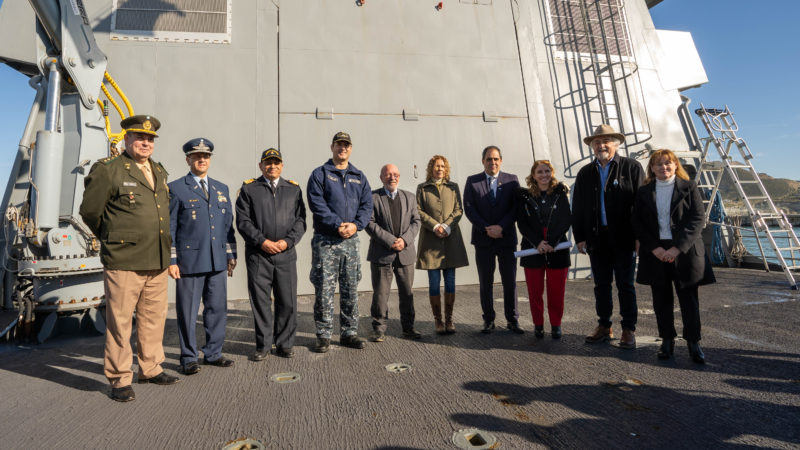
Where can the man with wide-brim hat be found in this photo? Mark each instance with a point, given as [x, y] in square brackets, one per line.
[602, 204]
[203, 255]
[126, 205]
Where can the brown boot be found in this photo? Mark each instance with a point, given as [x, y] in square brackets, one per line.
[600, 334]
[449, 300]
[436, 306]
[628, 339]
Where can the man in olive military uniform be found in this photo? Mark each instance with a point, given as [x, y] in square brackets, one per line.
[203, 253]
[126, 205]
[271, 217]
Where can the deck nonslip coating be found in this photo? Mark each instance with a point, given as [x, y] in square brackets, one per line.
[529, 393]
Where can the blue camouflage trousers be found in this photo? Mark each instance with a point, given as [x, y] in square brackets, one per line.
[332, 259]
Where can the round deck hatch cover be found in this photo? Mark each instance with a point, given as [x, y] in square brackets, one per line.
[285, 377]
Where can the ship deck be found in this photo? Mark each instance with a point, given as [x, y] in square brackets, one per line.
[527, 393]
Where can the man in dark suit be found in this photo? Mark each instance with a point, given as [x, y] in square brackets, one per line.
[271, 217]
[392, 230]
[203, 253]
[489, 205]
[125, 201]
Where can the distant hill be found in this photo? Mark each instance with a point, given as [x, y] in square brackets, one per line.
[784, 192]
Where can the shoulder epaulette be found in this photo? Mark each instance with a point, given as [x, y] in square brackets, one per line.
[248, 181]
[162, 168]
[108, 159]
[293, 182]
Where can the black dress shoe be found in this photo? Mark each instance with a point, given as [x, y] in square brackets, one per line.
[260, 355]
[488, 326]
[412, 334]
[163, 379]
[123, 394]
[353, 341]
[322, 346]
[219, 362]
[514, 327]
[538, 331]
[191, 368]
[555, 331]
[285, 352]
[666, 349]
[696, 353]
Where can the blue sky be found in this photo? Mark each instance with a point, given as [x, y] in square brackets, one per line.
[748, 51]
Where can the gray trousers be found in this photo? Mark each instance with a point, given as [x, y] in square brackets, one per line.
[382, 275]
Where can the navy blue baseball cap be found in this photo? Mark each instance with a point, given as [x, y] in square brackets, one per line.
[198, 145]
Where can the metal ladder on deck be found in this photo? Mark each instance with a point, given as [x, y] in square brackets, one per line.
[722, 127]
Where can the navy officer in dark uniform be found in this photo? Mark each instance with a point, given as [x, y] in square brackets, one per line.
[271, 217]
[203, 253]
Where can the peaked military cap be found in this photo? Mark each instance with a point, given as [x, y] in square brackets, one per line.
[198, 145]
[141, 124]
[341, 136]
[271, 153]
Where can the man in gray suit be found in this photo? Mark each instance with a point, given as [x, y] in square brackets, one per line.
[392, 230]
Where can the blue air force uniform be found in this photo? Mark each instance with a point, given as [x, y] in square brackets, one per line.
[203, 241]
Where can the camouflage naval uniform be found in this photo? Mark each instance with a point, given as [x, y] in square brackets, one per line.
[131, 219]
[335, 197]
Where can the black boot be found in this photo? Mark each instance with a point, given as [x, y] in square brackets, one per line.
[667, 347]
[696, 352]
[555, 331]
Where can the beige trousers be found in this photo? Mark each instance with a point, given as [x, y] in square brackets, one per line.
[143, 291]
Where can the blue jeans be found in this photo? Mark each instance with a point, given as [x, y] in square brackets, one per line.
[435, 279]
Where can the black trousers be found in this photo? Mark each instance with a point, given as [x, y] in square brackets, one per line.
[664, 304]
[265, 277]
[610, 263]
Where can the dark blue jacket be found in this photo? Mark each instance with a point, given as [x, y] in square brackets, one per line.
[482, 212]
[333, 200]
[202, 230]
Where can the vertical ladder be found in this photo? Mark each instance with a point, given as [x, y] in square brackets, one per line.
[597, 73]
[722, 128]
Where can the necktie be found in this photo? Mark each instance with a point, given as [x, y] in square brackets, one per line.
[148, 174]
[203, 187]
[492, 193]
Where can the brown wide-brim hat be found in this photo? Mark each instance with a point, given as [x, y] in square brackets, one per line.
[604, 130]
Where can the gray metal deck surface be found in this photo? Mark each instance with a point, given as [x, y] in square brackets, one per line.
[529, 393]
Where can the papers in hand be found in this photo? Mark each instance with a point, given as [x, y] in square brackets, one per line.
[533, 251]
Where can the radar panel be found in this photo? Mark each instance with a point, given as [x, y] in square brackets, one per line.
[190, 21]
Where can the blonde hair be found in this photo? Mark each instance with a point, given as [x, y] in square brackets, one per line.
[680, 172]
[533, 187]
[432, 162]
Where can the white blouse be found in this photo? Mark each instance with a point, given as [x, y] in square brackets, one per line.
[663, 200]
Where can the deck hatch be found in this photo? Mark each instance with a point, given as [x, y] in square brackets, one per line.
[473, 438]
[285, 377]
[397, 367]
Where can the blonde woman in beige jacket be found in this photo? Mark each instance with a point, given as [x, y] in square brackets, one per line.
[441, 248]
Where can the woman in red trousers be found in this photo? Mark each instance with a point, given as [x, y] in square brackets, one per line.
[543, 218]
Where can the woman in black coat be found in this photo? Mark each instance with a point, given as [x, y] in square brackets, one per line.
[668, 218]
[543, 218]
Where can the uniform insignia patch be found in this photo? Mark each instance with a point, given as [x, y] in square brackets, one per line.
[147, 125]
[222, 199]
[249, 181]
[293, 182]
[129, 183]
[333, 178]
[353, 180]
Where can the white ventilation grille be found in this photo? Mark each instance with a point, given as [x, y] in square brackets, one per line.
[581, 27]
[205, 21]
